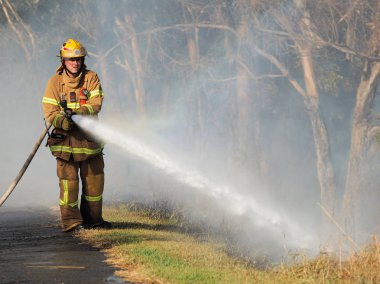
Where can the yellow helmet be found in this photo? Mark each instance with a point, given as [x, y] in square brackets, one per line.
[72, 48]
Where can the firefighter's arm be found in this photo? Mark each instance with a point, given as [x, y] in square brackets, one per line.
[94, 101]
[51, 108]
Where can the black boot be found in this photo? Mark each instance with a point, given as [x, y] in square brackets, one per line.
[103, 225]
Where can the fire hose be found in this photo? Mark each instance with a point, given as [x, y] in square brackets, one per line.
[25, 166]
[67, 112]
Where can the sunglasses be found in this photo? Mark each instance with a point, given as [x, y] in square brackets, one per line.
[73, 59]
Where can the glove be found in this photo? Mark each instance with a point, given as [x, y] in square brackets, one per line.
[79, 111]
[67, 124]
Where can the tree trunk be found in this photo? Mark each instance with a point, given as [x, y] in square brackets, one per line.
[324, 166]
[135, 70]
[139, 87]
[359, 142]
[196, 124]
[247, 124]
[322, 146]
[325, 170]
[361, 129]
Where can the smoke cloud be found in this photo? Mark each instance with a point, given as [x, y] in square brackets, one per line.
[189, 115]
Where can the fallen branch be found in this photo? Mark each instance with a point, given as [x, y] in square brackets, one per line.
[327, 213]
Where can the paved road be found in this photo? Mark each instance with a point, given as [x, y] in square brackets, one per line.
[33, 250]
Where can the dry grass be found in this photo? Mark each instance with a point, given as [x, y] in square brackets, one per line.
[154, 250]
[361, 267]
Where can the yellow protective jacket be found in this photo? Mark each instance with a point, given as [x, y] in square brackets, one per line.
[77, 143]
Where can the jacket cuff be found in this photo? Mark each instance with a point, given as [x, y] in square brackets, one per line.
[57, 122]
[86, 109]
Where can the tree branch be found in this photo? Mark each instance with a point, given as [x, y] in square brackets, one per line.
[19, 33]
[283, 69]
[14, 28]
[172, 27]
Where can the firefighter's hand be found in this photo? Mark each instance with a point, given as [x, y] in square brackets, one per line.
[79, 111]
[67, 124]
[82, 111]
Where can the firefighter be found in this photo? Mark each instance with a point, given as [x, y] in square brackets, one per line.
[75, 90]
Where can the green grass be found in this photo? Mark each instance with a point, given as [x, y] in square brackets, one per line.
[155, 250]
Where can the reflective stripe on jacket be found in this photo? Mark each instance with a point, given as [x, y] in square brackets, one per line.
[77, 143]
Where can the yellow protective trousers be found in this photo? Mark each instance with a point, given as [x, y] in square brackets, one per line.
[91, 174]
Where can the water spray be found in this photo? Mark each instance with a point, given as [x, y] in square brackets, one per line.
[234, 202]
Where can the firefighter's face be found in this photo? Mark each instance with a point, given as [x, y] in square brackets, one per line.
[73, 65]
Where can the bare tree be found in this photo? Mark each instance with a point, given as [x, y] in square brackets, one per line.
[23, 32]
[296, 29]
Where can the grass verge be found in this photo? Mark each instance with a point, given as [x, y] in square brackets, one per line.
[155, 250]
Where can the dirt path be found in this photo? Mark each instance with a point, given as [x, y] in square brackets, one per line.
[33, 250]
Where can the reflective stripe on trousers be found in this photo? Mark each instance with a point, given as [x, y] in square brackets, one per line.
[68, 201]
[91, 174]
